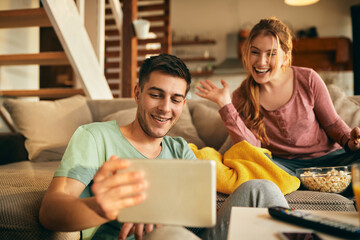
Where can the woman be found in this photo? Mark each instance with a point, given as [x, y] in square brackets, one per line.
[283, 108]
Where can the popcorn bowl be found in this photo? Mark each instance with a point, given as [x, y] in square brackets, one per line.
[325, 179]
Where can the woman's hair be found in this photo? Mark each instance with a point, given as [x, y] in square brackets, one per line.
[249, 103]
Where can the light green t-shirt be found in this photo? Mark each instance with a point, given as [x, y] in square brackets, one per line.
[92, 145]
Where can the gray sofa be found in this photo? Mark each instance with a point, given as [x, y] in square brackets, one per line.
[30, 156]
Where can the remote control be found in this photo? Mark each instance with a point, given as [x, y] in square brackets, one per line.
[319, 223]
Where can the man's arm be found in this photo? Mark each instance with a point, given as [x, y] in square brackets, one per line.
[63, 210]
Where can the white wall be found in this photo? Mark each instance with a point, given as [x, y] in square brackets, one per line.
[216, 18]
[18, 40]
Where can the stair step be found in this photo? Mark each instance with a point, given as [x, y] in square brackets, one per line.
[24, 18]
[45, 93]
[161, 40]
[151, 51]
[114, 86]
[112, 43]
[153, 7]
[44, 59]
[111, 75]
[109, 54]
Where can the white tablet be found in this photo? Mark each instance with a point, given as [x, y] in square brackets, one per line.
[180, 192]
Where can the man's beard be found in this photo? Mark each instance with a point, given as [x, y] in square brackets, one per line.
[146, 129]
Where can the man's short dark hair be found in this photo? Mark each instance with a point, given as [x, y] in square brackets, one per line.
[165, 63]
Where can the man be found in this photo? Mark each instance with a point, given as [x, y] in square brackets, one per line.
[86, 194]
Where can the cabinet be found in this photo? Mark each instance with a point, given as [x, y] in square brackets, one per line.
[332, 54]
[197, 54]
[321, 54]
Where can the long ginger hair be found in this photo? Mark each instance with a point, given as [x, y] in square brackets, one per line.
[249, 102]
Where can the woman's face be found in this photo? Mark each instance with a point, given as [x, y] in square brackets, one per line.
[266, 58]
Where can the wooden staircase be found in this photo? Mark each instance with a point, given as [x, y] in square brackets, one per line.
[158, 13]
[24, 18]
[64, 18]
[118, 83]
[43, 59]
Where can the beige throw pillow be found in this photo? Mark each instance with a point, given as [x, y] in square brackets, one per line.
[226, 146]
[186, 129]
[122, 117]
[183, 128]
[209, 125]
[348, 109]
[48, 125]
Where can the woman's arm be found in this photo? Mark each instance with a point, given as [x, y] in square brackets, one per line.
[326, 114]
[237, 129]
[235, 125]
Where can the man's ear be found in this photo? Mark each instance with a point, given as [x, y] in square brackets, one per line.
[137, 92]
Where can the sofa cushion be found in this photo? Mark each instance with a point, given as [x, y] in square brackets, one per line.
[209, 125]
[22, 187]
[48, 124]
[312, 200]
[309, 200]
[346, 107]
[226, 145]
[102, 108]
[183, 128]
[122, 117]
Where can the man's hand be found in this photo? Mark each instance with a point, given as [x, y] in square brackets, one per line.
[220, 96]
[138, 229]
[114, 191]
[354, 142]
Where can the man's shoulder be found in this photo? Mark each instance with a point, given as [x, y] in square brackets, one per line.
[98, 130]
[96, 126]
[175, 140]
[177, 147]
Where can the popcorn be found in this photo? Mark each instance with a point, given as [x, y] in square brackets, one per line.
[333, 181]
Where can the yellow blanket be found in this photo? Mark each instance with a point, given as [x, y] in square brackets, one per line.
[243, 162]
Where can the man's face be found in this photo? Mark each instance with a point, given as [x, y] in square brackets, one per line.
[160, 103]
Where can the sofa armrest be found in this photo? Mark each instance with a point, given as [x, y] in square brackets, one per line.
[12, 148]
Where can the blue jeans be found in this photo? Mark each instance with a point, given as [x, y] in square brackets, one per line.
[336, 158]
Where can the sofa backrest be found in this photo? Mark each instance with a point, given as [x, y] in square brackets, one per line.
[102, 108]
[200, 121]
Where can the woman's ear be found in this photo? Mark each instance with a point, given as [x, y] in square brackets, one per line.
[287, 59]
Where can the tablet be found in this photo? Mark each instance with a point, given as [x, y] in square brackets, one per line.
[180, 192]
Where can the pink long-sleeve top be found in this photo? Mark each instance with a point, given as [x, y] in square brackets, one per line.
[306, 127]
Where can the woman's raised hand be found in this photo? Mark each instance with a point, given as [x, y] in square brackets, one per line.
[220, 96]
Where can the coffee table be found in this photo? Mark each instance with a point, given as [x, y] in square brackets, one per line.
[256, 223]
